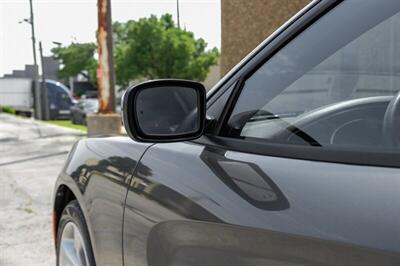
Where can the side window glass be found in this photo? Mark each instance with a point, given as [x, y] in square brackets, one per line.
[333, 85]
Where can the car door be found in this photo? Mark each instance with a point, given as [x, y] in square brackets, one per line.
[59, 100]
[65, 101]
[298, 167]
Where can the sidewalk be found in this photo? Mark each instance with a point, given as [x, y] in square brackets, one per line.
[32, 155]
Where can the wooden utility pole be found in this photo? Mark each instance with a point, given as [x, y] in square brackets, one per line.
[36, 87]
[46, 113]
[177, 14]
[106, 121]
[105, 70]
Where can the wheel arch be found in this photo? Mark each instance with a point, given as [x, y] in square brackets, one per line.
[63, 196]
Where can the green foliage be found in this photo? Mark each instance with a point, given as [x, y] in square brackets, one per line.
[149, 48]
[155, 48]
[8, 110]
[77, 58]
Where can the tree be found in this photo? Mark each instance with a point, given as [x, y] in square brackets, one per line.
[149, 48]
[156, 48]
[77, 58]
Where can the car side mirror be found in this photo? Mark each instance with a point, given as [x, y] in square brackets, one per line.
[164, 111]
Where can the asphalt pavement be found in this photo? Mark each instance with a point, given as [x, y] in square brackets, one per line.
[31, 157]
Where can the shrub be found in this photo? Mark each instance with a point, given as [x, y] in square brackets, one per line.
[7, 109]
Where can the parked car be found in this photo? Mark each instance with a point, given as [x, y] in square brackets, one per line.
[18, 94]
[82, 108]
[292, 159]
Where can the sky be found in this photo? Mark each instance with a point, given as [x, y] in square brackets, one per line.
[67, 21]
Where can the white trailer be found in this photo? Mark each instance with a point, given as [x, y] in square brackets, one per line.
[17, 93]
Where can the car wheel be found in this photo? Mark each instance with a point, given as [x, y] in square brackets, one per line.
[73, 242]
[73, 119]
[79, 120]
[53, 117]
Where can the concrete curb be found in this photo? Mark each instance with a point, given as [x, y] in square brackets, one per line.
[44, 123]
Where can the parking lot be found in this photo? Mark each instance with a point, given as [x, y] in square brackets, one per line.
[32, 156]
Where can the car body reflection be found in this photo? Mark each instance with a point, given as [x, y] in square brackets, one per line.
[246, 179]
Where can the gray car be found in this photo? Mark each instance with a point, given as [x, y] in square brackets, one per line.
[292, 159]
[82, 109]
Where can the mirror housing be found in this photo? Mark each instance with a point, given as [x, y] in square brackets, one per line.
[164, 111]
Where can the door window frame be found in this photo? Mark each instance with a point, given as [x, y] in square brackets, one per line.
[251, 64]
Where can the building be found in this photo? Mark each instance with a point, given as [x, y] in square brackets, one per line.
[51, 67]
[214, 75]
[246, 23]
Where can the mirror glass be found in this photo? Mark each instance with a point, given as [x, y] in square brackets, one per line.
[167, 110]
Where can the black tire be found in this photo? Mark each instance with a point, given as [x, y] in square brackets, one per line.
[73, 213]
[53, 116]
[73, 120]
